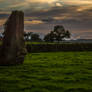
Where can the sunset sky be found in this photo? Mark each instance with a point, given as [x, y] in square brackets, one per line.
[42, 15]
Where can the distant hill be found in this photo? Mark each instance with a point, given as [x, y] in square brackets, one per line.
[80, 41]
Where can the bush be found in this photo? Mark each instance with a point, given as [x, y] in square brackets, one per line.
[59, 47]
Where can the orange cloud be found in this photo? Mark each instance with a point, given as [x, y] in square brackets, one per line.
[61, 17]
[21, 4]
[41, 1]
[78, 2]
[2, 21]
[33, 22]
[83, 8]
[5, 12]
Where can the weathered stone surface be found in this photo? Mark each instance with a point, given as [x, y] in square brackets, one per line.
[13, 48]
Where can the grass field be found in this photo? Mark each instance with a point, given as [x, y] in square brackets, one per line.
[49, 72]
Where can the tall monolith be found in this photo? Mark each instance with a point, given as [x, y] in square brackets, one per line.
[13, 47]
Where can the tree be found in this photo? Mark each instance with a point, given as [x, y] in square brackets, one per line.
[27, 36]
[67, 34]
[35, 37]
[60, 33]
[49, 37]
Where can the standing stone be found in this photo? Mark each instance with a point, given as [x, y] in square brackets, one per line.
[13, 48]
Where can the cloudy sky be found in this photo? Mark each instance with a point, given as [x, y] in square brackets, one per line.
[42, 15]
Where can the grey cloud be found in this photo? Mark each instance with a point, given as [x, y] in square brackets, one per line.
[3, 16]
[75, 21]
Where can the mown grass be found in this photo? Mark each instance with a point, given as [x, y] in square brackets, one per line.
[49, 72]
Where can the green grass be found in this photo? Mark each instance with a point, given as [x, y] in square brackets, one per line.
[39, 43]
[29, 42]
[49, 72]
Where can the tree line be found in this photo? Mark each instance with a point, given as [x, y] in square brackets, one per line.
[58, 34]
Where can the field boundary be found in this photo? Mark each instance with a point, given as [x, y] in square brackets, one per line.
[59, 47]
